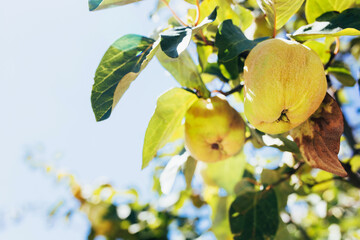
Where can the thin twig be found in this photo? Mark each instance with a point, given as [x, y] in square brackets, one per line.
[174, 14]
[333, 54]
[235, 89]
[288, 175]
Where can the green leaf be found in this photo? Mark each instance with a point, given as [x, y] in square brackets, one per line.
[121, 64]
[174, 41]
[184, 70]
[278, 12]
[189, 170]
[254, 215]
[204, 52]
[342, 73]
[231, 41]
[170, 110]
[231, 69]
[331, 24]
[315, 8]
[225, 174]
[213, 69]
[276, 141]
[101, 4]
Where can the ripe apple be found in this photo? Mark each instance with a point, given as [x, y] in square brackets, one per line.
[214, 130]
[284, 85]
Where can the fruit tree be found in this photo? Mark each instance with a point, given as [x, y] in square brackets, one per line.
[263, 119]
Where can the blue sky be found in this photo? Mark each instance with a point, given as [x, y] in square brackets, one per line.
[49, 54]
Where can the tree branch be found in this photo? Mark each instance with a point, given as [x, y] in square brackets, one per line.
[235, 89]
[333, 54]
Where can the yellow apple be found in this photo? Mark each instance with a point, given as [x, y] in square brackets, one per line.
[214, 130]
[284, 85]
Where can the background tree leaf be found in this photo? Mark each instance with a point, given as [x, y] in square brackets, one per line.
[170, 110]
[231, 41]
[342, 73]
[315, 8]
[184, 70]
[319, 137]
[254, 215]
[189, 170]
[121, 64]
[225, 174]
[331, 24]
[278, 12]
[101, 4]
[174, 41]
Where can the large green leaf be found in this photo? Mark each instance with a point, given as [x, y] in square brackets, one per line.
[184, 70]
[101, 4]
[174, 41]
[278, 12]
[231, 41]
[170, 111]
[225, 174]
[121, 64]
[315, 8]
[331, 24]
[254, 215]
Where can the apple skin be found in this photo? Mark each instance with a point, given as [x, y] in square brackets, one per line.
[214, 131]
[284, 85]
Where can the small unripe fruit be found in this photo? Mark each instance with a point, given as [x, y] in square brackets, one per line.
[214, 131]
[284, 85]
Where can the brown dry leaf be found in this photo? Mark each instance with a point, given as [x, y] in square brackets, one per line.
[319, 137]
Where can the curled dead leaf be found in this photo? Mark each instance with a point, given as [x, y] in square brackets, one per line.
[318, 138]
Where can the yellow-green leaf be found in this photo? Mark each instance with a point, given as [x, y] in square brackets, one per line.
[170, 110]
[227, 173]
[278, 12]
[320, 49]
[184, 70]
